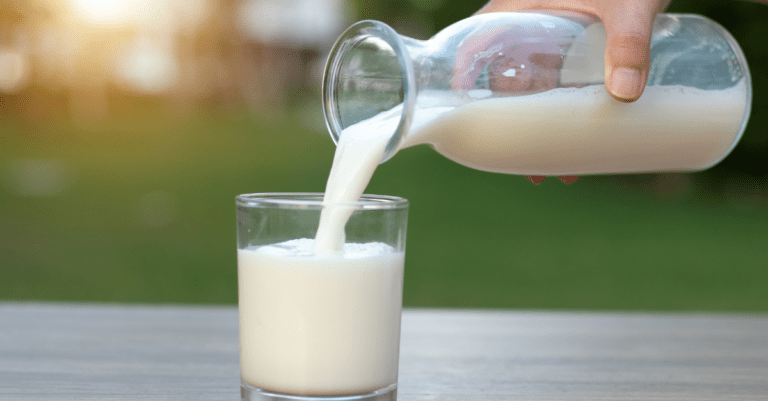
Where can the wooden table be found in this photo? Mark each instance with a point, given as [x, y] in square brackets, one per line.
[97, 352]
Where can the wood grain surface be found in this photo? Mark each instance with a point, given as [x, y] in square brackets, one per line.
[104, 352]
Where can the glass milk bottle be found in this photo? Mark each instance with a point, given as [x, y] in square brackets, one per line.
[523, 93]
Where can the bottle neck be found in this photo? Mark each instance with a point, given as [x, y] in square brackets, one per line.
[369, 71]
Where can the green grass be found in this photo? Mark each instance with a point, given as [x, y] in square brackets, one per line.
[475, 239]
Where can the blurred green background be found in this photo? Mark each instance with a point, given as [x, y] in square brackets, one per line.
[126, 131]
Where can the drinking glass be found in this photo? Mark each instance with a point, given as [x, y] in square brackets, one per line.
[319, 326]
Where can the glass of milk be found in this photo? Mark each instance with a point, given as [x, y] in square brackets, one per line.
[319, 325]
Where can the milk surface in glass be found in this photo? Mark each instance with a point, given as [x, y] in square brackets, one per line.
[320, 325]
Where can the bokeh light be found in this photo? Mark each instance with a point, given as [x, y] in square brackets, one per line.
[110, 12]
[14, 70]
[147, 66]
[38, 177]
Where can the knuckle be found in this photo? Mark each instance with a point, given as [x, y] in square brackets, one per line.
[629, 41]
[630, 49]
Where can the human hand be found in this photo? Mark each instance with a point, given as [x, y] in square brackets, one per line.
[628, 25]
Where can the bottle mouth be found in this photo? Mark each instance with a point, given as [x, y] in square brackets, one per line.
[368, 72]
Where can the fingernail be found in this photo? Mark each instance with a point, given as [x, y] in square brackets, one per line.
[536, 179]
[625, 83]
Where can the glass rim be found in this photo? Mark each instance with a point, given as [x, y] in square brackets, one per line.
[314, 200]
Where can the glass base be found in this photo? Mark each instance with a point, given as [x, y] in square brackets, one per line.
[250, 393]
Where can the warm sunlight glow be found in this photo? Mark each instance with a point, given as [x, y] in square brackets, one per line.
[14, 71]
[105, 12]
[148, 67]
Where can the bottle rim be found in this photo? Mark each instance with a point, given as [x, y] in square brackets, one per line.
[347, 41]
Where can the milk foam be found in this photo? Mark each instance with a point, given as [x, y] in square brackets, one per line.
[304, 248]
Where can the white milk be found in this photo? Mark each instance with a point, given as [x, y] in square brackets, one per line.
[320, 324]
[571, 131]
[354, 162]
[359, 151]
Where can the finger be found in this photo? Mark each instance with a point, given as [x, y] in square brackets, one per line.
[536, 179]
[627, 51]
[568, 179]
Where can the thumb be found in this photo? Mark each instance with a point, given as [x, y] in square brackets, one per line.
[627, 51]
